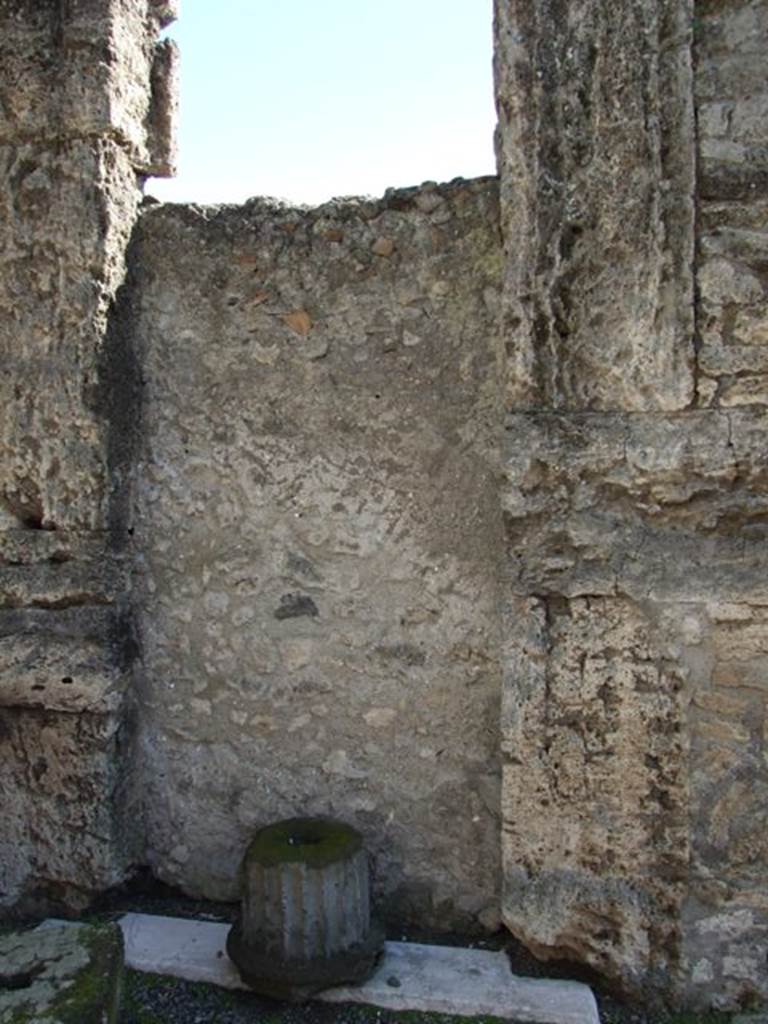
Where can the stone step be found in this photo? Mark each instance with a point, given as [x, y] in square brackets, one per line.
[411, 976]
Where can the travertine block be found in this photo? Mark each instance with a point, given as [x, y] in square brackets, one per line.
[100, 82]
[731, 88]
[595, 152]
[652, 507]
[644, 539]
[595, 827]
[732, 97]
[67, 219]
[62, 838]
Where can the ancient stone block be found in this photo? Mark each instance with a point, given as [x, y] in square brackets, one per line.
[595, 829]
[732, 99]
[731, 87]
[49, 569]
[67, 220]
[86, 72]
[66, 766]
[726, 911]
[595, 150]
[163, 111]
[670, 513]
[65, 739]
[651, 507]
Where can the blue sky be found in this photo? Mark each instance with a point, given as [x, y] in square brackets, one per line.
[309, 99]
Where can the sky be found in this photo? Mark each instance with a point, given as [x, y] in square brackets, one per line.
[309, 99]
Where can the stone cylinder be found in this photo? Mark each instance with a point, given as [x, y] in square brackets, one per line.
[305, 919]
[306, 889]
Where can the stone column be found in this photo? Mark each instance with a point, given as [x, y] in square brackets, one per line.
[85, 114]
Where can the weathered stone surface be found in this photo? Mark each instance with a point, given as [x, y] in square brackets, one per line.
[726, 912]
[163, 111]
[665, 515]
[643, 539]
[319, 527]
[317, 531]
[595, 150]
[732, 99]
[639, 505]
[58, 274]
[67, 766]
[76, 102]
[86, 72]
[65, 727]
[61, 974]
[732, 104]
[595, 787]
[53, 570]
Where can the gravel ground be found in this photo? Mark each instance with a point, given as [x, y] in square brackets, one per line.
[151, 999]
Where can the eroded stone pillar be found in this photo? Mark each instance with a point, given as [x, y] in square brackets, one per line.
[596, 155]
[79, 128]
[634, 700]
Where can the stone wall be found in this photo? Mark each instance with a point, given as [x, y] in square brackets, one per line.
[732, 108]
[635, 503]
[726, 910]
[335, 510]
[318, 522]
[75, 105]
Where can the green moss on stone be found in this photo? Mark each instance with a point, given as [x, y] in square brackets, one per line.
[315, 842]
[92, 992]
[97, 988]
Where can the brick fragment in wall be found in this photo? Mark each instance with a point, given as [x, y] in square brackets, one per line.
[318, 519]
[596, 157]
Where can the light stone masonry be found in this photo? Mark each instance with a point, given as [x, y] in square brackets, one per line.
[444, 513]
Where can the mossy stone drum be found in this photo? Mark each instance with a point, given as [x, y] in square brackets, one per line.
[305, 921]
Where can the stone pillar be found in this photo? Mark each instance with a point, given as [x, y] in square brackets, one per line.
[595, 151]
[85, 114]
[634, 707]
